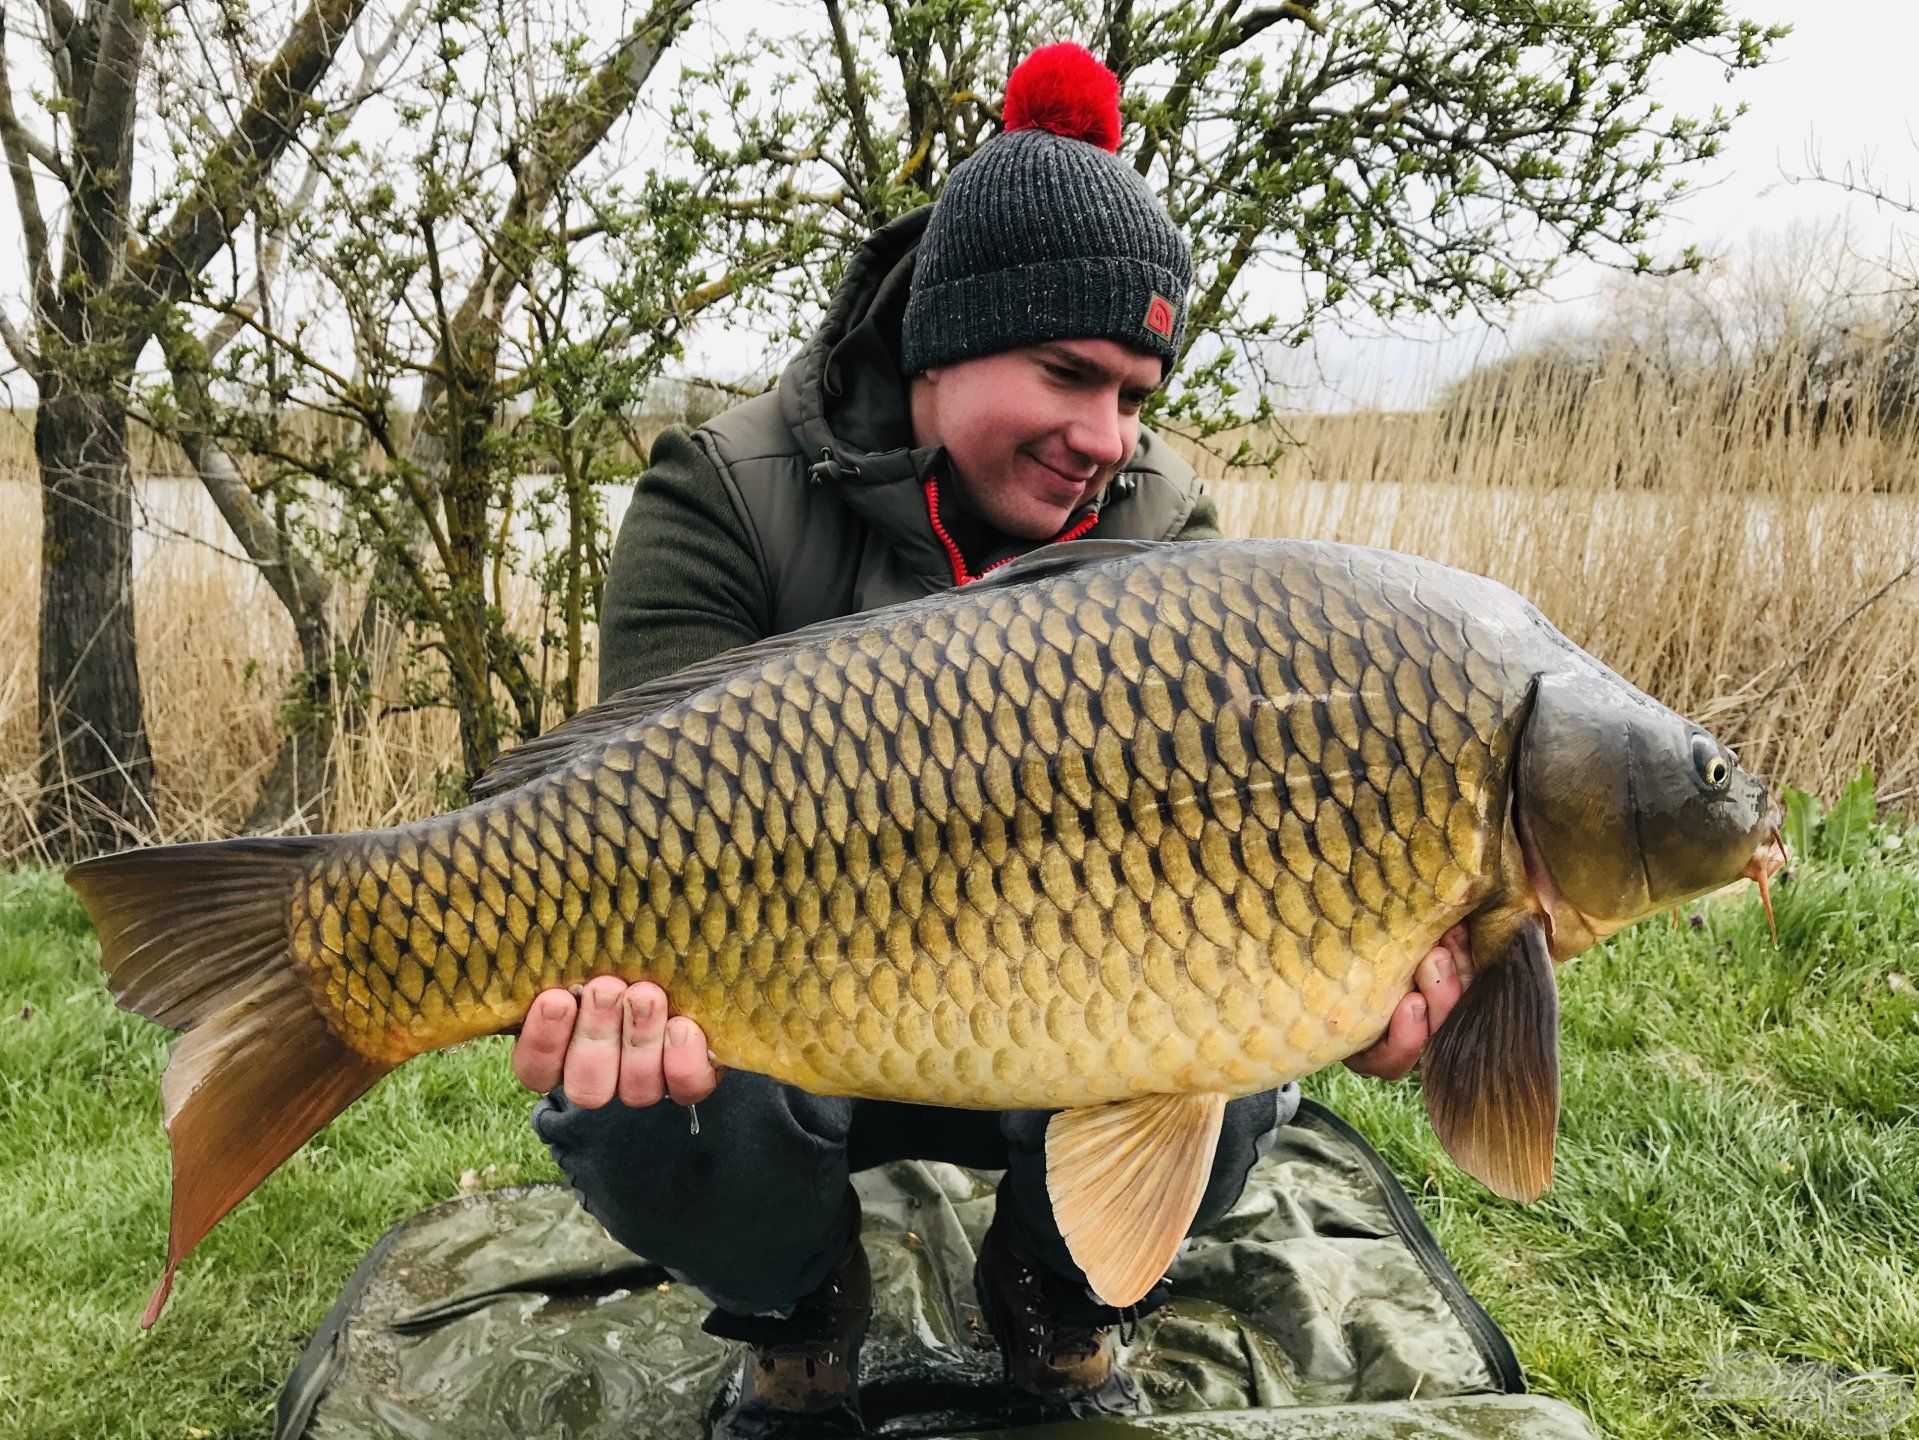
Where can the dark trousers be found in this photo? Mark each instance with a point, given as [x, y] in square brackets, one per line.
[756, 1208]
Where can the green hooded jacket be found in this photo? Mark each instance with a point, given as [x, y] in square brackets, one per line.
[1321, 1307]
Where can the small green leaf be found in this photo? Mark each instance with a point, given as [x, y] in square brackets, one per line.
[1849, 826]
[1802, 822]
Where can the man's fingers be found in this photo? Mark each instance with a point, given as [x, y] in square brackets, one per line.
[690, 1076]
[1405, 1038]
[1438, 980]
[1392, 1056]
[642, 1069]
[592, 1070]
[540, 1050]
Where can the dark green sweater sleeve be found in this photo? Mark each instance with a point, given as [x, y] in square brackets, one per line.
[686, 581]
[1203, 523]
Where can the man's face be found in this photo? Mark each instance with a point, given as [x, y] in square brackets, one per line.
[1035, 432]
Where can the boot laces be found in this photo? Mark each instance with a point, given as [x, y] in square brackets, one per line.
[1058, 1316]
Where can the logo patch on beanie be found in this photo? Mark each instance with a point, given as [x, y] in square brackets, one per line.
[1159, 316]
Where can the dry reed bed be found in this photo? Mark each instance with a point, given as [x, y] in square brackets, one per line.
[1735, 567]
[216, 653]
[1751, 570]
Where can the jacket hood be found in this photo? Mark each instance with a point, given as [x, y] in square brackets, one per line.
[845, 399]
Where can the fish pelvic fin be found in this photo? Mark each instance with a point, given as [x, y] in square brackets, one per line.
[1126, 1180]
[1491, 1075]
[195, 937]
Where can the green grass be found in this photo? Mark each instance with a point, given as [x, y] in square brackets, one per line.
[83, 1196]
[1738, 1174]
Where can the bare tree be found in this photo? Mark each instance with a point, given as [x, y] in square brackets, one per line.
[99, 276]
[472, 302]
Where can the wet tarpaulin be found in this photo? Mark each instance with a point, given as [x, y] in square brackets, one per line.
[1321, 1306]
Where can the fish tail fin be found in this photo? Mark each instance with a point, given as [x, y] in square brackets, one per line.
[195, 937]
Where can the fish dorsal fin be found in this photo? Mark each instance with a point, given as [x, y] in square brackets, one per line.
[1126, 1180]
[1063, 559]
[1491, 1074]
[593, 727]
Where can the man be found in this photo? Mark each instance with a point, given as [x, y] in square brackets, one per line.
[973, 392]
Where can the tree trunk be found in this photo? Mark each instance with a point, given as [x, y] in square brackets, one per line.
[96, 772]
[293, 795]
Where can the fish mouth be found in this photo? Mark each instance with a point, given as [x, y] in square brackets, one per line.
[1771, 856]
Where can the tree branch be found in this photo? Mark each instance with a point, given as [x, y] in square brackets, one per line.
[20, 348]
[1195, 63]
[102, 164]
[855, 106]
[1300, 11]
[161, 271]
[566, 134]
[19, 151]
[568, 131]
[60, 19]
[33, 145]
[302, 589]
[1203, 316]
[233, 320]
[60, 24]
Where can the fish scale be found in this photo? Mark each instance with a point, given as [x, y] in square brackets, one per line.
[1182, 824]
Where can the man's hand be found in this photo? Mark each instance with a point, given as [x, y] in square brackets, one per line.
[617, 1039]
[1440, 979]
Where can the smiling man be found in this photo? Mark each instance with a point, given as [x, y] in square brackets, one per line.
[974, 392]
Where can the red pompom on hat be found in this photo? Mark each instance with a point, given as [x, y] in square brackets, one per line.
[1063, 88]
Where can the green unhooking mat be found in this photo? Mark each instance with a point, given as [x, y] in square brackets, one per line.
[1319, 1307]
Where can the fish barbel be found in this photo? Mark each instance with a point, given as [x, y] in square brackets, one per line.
[1121, 830]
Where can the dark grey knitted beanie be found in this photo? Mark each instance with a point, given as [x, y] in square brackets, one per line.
[1041, 235]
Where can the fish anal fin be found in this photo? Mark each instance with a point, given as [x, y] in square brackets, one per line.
[1126, 1180]
[1491, 1074]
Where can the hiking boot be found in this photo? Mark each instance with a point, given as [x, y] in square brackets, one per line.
[1058, 1345]
[801, 1377]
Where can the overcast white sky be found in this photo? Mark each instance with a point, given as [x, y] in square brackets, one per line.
[1839, 90]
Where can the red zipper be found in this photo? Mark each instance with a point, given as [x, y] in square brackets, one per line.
[963, 576]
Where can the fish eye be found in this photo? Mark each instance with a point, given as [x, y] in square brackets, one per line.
[1715, 771]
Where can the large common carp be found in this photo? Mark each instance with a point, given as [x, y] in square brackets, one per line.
[1121, 830]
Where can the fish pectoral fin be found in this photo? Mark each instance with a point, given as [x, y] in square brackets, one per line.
[1126, 1180]
[1491, 1074]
